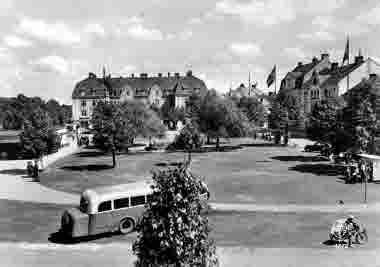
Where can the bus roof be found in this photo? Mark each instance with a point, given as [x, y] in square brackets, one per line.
[129, 189]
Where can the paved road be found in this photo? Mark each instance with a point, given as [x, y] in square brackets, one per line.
[120, 254]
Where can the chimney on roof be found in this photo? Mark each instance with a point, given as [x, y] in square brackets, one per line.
[325, 56]
[300, 64]
[189, 73]
[143, 75]
[168, 74]
[160, 74]
[315, 60]
[132, 75]
[359, 59]
[176, 74]
[334, 65]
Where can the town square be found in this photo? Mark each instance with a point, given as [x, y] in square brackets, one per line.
[204, 133]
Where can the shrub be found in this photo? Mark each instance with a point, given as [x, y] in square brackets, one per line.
[188, 139]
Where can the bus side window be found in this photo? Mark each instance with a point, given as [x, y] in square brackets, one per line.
[104, 206]
[137, 200]
[121, 203]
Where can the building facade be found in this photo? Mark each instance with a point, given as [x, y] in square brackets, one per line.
[151, 90]
[322, 79]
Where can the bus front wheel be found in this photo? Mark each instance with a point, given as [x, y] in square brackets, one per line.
[126, 225]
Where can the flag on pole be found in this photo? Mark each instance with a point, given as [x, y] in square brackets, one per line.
[271, 77]
[347, 52]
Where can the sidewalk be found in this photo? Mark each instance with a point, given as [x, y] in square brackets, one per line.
[15, 185]
[120, 254]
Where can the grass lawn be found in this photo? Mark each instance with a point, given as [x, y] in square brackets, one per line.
[256, 173]
[37, 223]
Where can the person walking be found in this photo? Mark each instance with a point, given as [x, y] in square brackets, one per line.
[35, 170]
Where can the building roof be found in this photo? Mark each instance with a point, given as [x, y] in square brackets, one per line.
[340, 73]
[94, 87]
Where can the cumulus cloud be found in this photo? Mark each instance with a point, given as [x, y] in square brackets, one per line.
[263, 13]
[195, 21]
[56, 32]
[126, 70]
[370, 17]
[333, 24]
[317, 36]
[51, 64]
[295, 52]
[15, 41]
[245, 49]
[139, 31]
[95, 28]
[272, 12]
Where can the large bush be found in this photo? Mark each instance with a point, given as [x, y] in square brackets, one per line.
[172, 231]
[189, 138]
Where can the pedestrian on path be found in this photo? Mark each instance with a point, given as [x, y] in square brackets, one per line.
[35, 170]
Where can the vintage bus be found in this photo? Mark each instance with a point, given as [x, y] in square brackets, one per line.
[109, 209]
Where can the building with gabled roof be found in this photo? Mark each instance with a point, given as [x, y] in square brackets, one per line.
[323, 80]
[151, 90]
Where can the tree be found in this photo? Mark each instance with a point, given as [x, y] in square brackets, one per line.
[173, 231]
[219, 117]
[117, 125]
[360, 119]
[188, 139]
[38, 136]
[253, 109]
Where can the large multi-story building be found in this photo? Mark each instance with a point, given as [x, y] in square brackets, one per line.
[322, 79]
[151, 90]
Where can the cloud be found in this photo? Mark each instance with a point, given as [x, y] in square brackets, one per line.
[371, 17]
[57, 32]
[263, 13]
[245, 49]
[182, 36]
[95, 28]
[195, 21]
[126, 70]
[336, 25]
[51, 64]
[15, 42]
[139, 31]
[316, 36]
[271, 12]
[312, 7]
[295, 52]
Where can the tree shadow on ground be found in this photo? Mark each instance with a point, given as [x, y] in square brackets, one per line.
[300, 158]
[60, 238]
[261, 145]
[318, 169]
[85, 154]
[169, 164]
[330, 243]
[89, 167]
[13, 171]
[207, 149]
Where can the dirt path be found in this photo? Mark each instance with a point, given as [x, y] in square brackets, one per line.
[247, 207]
[120, 254]
[15, 185]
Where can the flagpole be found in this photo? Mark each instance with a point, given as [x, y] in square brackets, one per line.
[275, 81]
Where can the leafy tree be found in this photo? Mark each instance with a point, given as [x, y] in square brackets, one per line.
[117, 125]
[360, 119]
[173, 231]
[253, 109]
[322, 122]
[188, 139]
[38, 136]
[219, 117]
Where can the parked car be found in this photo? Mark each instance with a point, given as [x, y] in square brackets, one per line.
[317, 147]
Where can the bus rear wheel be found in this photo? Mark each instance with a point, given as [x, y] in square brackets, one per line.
[126, 226]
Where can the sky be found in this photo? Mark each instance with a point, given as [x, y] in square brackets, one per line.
[46, 46]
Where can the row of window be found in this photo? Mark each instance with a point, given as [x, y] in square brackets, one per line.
[327, 93]
[124, 203]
